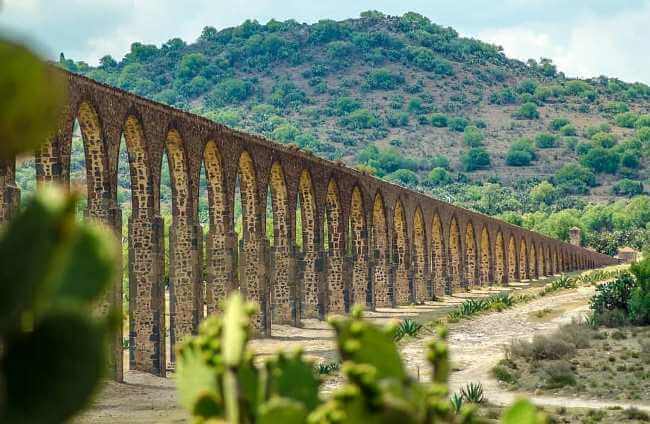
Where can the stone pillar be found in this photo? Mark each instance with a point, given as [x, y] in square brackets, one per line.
[146, 294]
[220, 260]
[9, 192]
[252, 280]
[184, 287]
[575, 236]
[114, 301]
[281, 277]
[333, 281]
[382, 277]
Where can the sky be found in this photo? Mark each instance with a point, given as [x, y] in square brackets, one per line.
[585, 38]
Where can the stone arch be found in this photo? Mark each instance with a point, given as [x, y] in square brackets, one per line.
[523, 260]
[219, 262]
[401, 294]
[499, 260]
[185, 293]
[282, 295]
[335, 284]
[533, 271]
[419, 260]
[251, 251]
[484, 274]
[311, 304]
[97, 187]
[437, 256]
[471, 255]
[512, 260]
[455, 264]
[146, 288]
[380, 282]
[359, 241]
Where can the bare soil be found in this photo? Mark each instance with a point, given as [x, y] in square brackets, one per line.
[476, 346]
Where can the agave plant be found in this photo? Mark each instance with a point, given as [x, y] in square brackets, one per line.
[327, 368]
[408, 327]
[473, 393]
[456, 401]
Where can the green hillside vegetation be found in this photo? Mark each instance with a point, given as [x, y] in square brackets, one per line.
[413, 102]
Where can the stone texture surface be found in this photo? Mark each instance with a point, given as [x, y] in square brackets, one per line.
[385, 245]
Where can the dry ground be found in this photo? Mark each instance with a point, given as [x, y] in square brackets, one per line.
[476, 346]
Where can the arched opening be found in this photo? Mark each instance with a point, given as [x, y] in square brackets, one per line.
[147, 320]
[485, 257]
[470, 256]
[455, 267]
[219, 263]
[357, 238]
[251, 248]
[437, 257]
[335, 286]
[512, 260]
[402, 292]
[282, 295]
[499, 263]
[419, 244]
[523, 260]
[532, 261]
[382, 296]
[185, 291]
[310, 307]
[77, 172]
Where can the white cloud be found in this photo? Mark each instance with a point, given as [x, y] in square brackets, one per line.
[613, 45]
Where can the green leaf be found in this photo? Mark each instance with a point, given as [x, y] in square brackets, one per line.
[522, 412]
[282, 411]
[363, 343]
[32, 252]
[32, 98]
[196, 382]
[283, 373]
[235, 330]
[89, 266]
[51, 373]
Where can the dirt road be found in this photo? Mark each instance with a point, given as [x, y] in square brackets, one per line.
[476, 346]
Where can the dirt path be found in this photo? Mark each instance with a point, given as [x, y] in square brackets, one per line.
[477, 345]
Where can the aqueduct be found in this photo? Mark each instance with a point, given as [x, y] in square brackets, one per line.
[363, 241]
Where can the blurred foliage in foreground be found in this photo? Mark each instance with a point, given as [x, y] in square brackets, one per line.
[218, 380]
[53, 270]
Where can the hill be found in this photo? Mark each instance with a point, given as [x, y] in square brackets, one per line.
[413, 102]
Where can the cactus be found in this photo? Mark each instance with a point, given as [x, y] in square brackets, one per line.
[213, 383]
[53, 270]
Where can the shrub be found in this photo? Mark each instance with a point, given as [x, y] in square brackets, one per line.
[630, 160]
[603, 139]
[518, 158]
[505, 96]
[643, 134]
[457, 123]
[545, 141]
[438, 176]
[642, 121]
[527, 86]
[557, 123]
[439, 120]
[601, 160]
[397, 119]
[574, 178]
[383, 79]
[228, 91]
[475, 158]
[527, 111]
[541, 348]
[345, 105]
[575, 333]
[405, 177]
[614, 295]
[502, 373]
[360, 119]
[558, 374]
[472, 136]
[568, 130]
[639, 305]
[626, 187]
[626, 119]
[521, 153]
